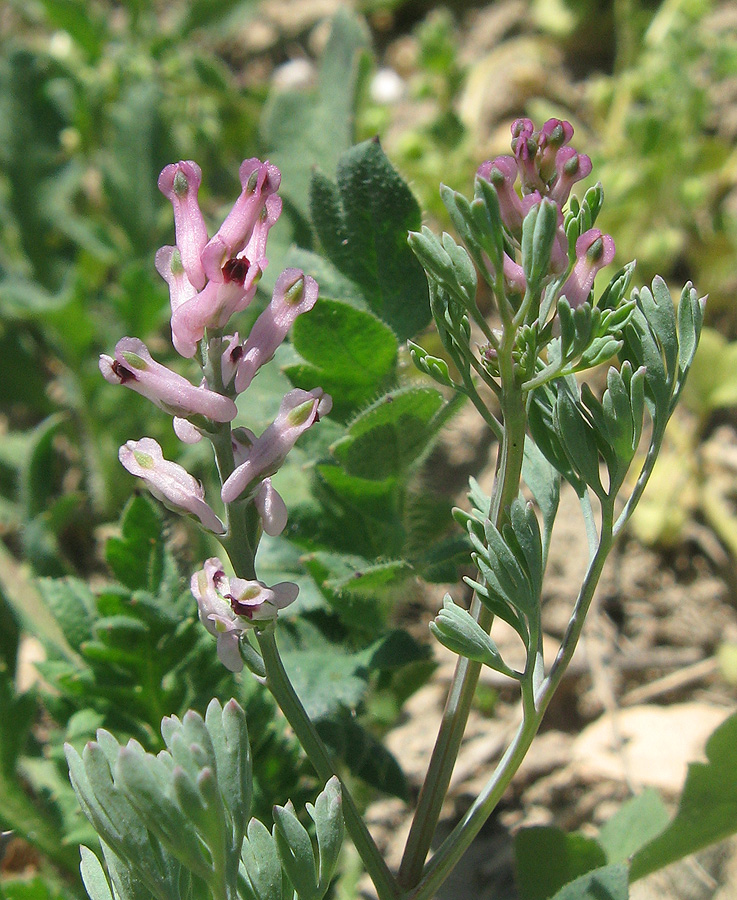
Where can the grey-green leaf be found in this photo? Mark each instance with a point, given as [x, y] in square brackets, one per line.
[296, 853]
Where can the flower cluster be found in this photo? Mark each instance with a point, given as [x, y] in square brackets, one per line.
[547, 168]
[210, 280]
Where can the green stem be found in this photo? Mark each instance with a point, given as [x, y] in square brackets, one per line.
[281, 687]
[241, 538]
[465, 677]
[534, 707]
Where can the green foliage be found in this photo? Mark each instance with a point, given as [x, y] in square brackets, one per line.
[661, 110]
[362, 222]
[334, 683]
[639, 838]
[609, 882]
[389, 436]
[707, 811]
[304, 130]
[177, 824]
[633, 826]
[358, 362]
[566, 858]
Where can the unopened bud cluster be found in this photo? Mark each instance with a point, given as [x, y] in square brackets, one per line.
[547, 168]
[210, 280]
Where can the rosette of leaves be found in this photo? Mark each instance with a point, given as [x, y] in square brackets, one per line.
[179, 824]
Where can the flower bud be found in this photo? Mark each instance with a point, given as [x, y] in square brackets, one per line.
[168, 481]
[294, 294]
[271, 508]
[133, 367]
[186, 431]
[180, 182]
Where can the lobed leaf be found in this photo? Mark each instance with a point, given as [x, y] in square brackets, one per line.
[327, 814]
[263, 865]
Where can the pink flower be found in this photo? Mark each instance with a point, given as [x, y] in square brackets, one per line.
[524, 146]
[211, 280]
[594, 250]
[168, 481]
[258, 181]
[180, 182]
[229, 606]
[271, 508]
[294, 294]
[299, 410]
[133, 367]
[571, 167]
[169, 265]
[502, 173]
[553, 135]
[514, 276]
[214, 305]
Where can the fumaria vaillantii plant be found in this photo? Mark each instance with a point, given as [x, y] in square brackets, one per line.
[176, 824]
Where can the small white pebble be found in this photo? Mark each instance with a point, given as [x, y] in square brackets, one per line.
[293, 75]
[387, 86]
[60, 45]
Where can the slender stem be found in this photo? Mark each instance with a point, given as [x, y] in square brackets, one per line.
[578, 616]
[465, 677]
[592, 535]
[462, 835]
[445, 752]
[470, 391]
[285, 695]
[534, 707]
[640, 485]
[241, 538]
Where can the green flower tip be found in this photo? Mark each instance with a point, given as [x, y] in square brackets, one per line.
[134, 360]
[144, 460]
[181, 184]
[293, 295]
[300, 414]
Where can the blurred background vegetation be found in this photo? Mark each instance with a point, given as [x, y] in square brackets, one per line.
[97, 96]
